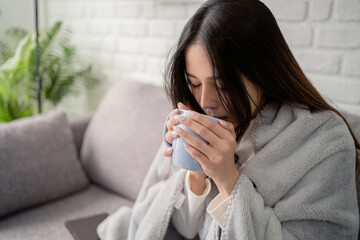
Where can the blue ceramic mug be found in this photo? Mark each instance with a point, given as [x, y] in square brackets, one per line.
[180, 156]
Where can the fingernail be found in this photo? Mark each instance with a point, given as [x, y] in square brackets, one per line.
[191, 114]
[186, 145]
[180, 104]
[176, 110]
[177, 129]
[169, 150]
[223, 122]
[173, 134]
[180, 118]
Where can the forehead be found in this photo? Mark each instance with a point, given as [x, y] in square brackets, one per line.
[197, 61]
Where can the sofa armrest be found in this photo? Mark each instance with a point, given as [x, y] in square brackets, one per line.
[78, 126]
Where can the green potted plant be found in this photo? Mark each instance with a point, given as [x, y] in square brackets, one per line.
[61, 75]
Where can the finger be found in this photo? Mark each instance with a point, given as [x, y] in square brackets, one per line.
[210, 124]
[169, 136]
[175, 112]
[172, 121]
[182, 106]
[197, 155]
[228, 126]
[194, 141]
[204, 132]
[168, 152]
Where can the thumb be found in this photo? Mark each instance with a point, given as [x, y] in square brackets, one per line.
[228, 126]
[182, 106]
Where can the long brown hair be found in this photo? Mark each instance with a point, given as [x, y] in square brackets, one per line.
[242, 38]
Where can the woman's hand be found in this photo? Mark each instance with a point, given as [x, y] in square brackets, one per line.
[217, 157]
[171, 134]
[197, 180]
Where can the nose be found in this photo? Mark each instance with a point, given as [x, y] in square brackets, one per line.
[209, 98]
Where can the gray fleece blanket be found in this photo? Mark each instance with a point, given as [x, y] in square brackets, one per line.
[299, 185]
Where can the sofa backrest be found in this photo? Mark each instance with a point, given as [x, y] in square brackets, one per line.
[78, 126]
[123, 136]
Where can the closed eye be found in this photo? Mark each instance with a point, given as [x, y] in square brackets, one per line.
[195, 86]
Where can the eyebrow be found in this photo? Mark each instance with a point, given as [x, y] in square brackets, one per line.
[208, 78]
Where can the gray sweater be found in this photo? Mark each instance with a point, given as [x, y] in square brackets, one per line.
[299, 185]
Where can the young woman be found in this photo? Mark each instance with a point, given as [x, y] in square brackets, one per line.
[281, 163]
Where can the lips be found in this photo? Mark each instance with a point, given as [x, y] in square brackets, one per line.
[222, 117]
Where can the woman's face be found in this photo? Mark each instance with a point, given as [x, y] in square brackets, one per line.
[200, 75]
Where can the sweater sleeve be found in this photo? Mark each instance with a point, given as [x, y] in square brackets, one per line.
[217, 209]
[320, 205]
[187, 218]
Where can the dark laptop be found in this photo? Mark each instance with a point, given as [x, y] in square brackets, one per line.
[85, 228]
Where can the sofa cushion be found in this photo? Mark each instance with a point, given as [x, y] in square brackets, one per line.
[38, 162]
[48, 221]
[124, 135]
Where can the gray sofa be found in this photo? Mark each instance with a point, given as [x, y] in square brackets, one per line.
[115, 144]
[53, 169]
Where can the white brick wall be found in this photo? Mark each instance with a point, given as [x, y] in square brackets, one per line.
[347, 10]
[319, 62]
[339, 36]
[288, 10]
[129, 39]
[320, 10]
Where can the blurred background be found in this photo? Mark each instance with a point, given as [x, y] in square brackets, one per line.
[105, 41]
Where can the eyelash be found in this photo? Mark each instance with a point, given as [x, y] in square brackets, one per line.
[195, 86]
